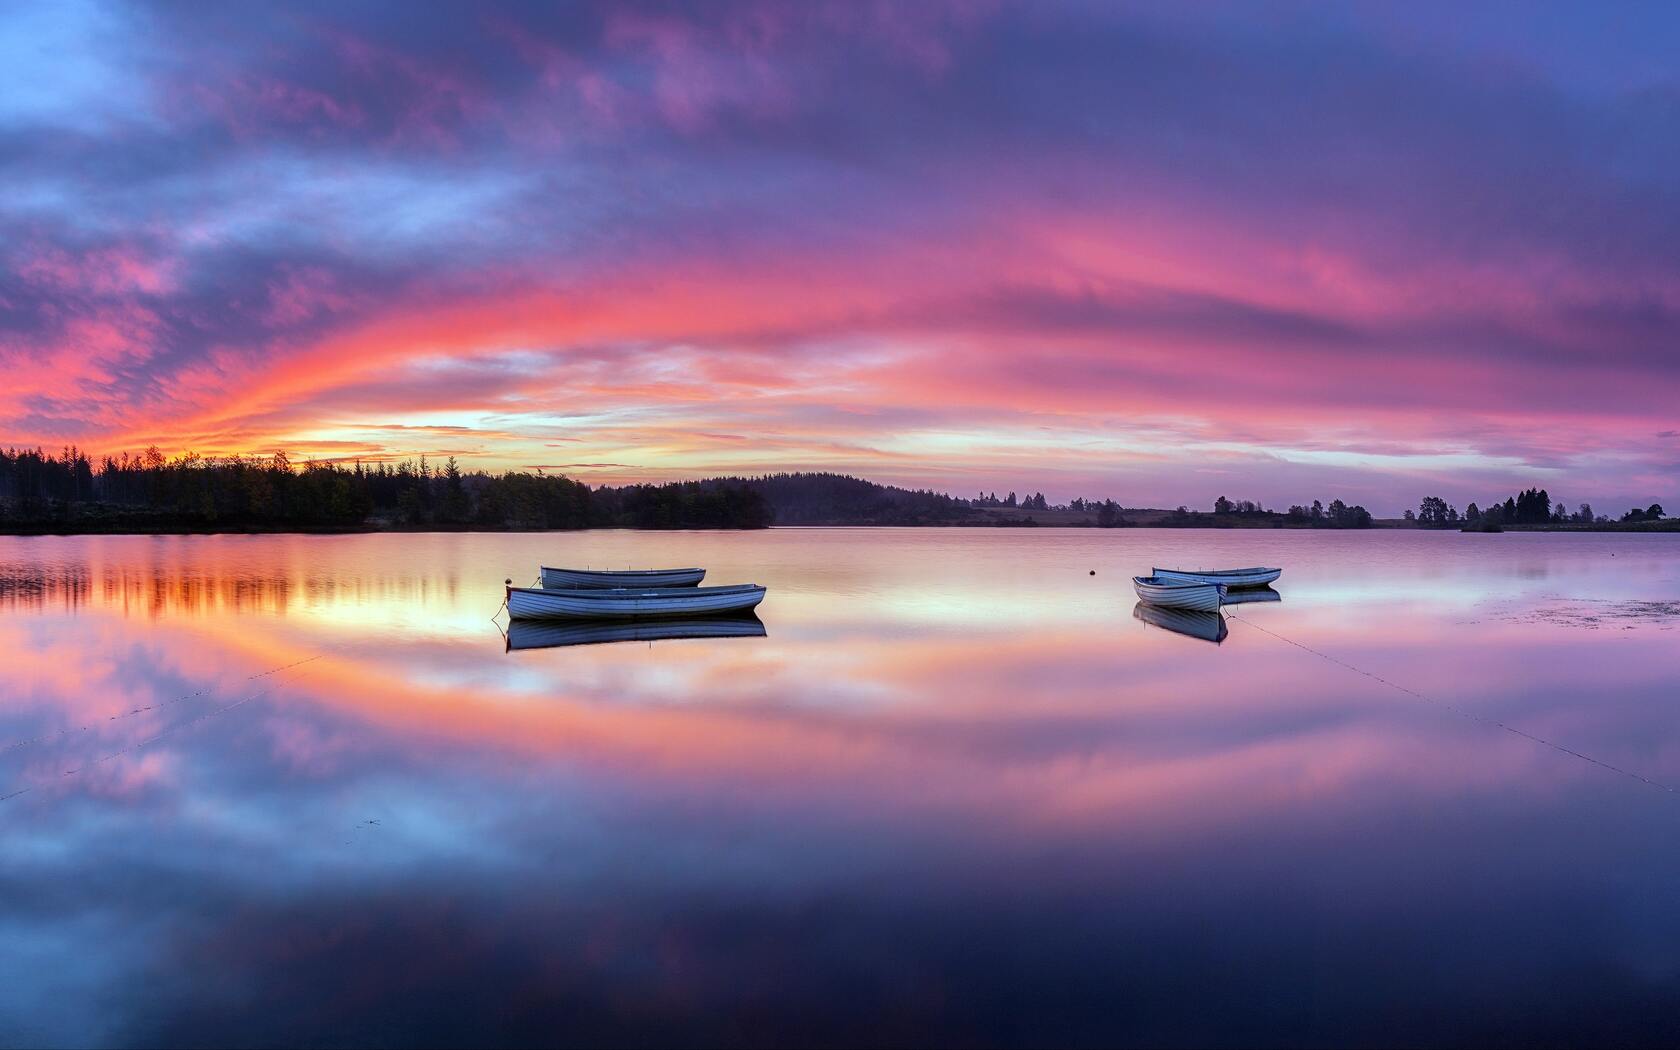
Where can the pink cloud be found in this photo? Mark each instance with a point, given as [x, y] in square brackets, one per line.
[104, 272]
[694, 78]
[299, 294]
[934, 239]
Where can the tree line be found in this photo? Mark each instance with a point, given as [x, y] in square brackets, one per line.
[68, 491]
[1337, 515]
[39, 489]
[1034, 502]
[1532, 506]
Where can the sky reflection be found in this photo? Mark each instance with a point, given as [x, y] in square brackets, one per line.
[956, 792]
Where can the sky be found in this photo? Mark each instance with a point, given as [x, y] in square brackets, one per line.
[1158, 253]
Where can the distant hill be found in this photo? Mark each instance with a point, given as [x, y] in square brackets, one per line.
[840, 499]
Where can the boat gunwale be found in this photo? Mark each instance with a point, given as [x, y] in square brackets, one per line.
[1252, 570]
[627, 573]
[1180, 594]
[622, 593]
[1168, 584]
[538, 603]
[1257, 576]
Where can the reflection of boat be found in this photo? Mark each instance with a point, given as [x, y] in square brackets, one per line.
[1228, 577]
[549, 634]
[537, 603]
[582, 578]
[1179, 594]
[1249, 595]
[1208, 626]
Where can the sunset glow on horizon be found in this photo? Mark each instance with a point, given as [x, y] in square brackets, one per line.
[1276, 253]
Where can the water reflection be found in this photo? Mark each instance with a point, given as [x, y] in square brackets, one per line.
[289, 790]
[1193, 623]
[1250, 596]
[540, 634]
[170, 589]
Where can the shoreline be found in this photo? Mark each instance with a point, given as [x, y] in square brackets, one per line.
[1670, 525]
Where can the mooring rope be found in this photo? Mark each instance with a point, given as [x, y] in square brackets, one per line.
[138, 744]
[1463, 712]
[241, 702]
[161, 704]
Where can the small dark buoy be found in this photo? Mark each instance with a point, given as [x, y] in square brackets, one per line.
[1093, 572]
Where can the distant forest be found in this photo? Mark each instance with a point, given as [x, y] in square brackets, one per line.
[1337, 515]
[1532, 507]
[41, 492]
[69, 492]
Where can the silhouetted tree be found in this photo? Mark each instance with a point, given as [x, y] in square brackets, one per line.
[1433, 511]
[454, 507]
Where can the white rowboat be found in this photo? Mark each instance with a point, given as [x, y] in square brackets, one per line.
[539, 603]
[575, 579]
[1179, 594]
[548, 634]
[1209, 627]
[1228, 577]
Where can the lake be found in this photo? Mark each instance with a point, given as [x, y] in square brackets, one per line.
[297, 790]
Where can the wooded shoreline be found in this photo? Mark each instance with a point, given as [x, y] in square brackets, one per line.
[131, 527]
[68, 494]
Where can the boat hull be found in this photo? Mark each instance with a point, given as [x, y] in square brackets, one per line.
[1257, 577]
[1179, 595]
[582, 579]
[537, 603]
[550, 634]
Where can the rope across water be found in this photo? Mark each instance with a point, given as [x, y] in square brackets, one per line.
[1462, 712]
[70, 730]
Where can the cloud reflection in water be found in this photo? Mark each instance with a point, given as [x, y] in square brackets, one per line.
[895, 817]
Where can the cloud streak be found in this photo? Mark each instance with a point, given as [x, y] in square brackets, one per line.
[961, 245]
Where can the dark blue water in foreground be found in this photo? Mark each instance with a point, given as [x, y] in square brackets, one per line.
[295, 790]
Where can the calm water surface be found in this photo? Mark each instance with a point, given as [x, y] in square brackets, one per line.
[295, 789]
